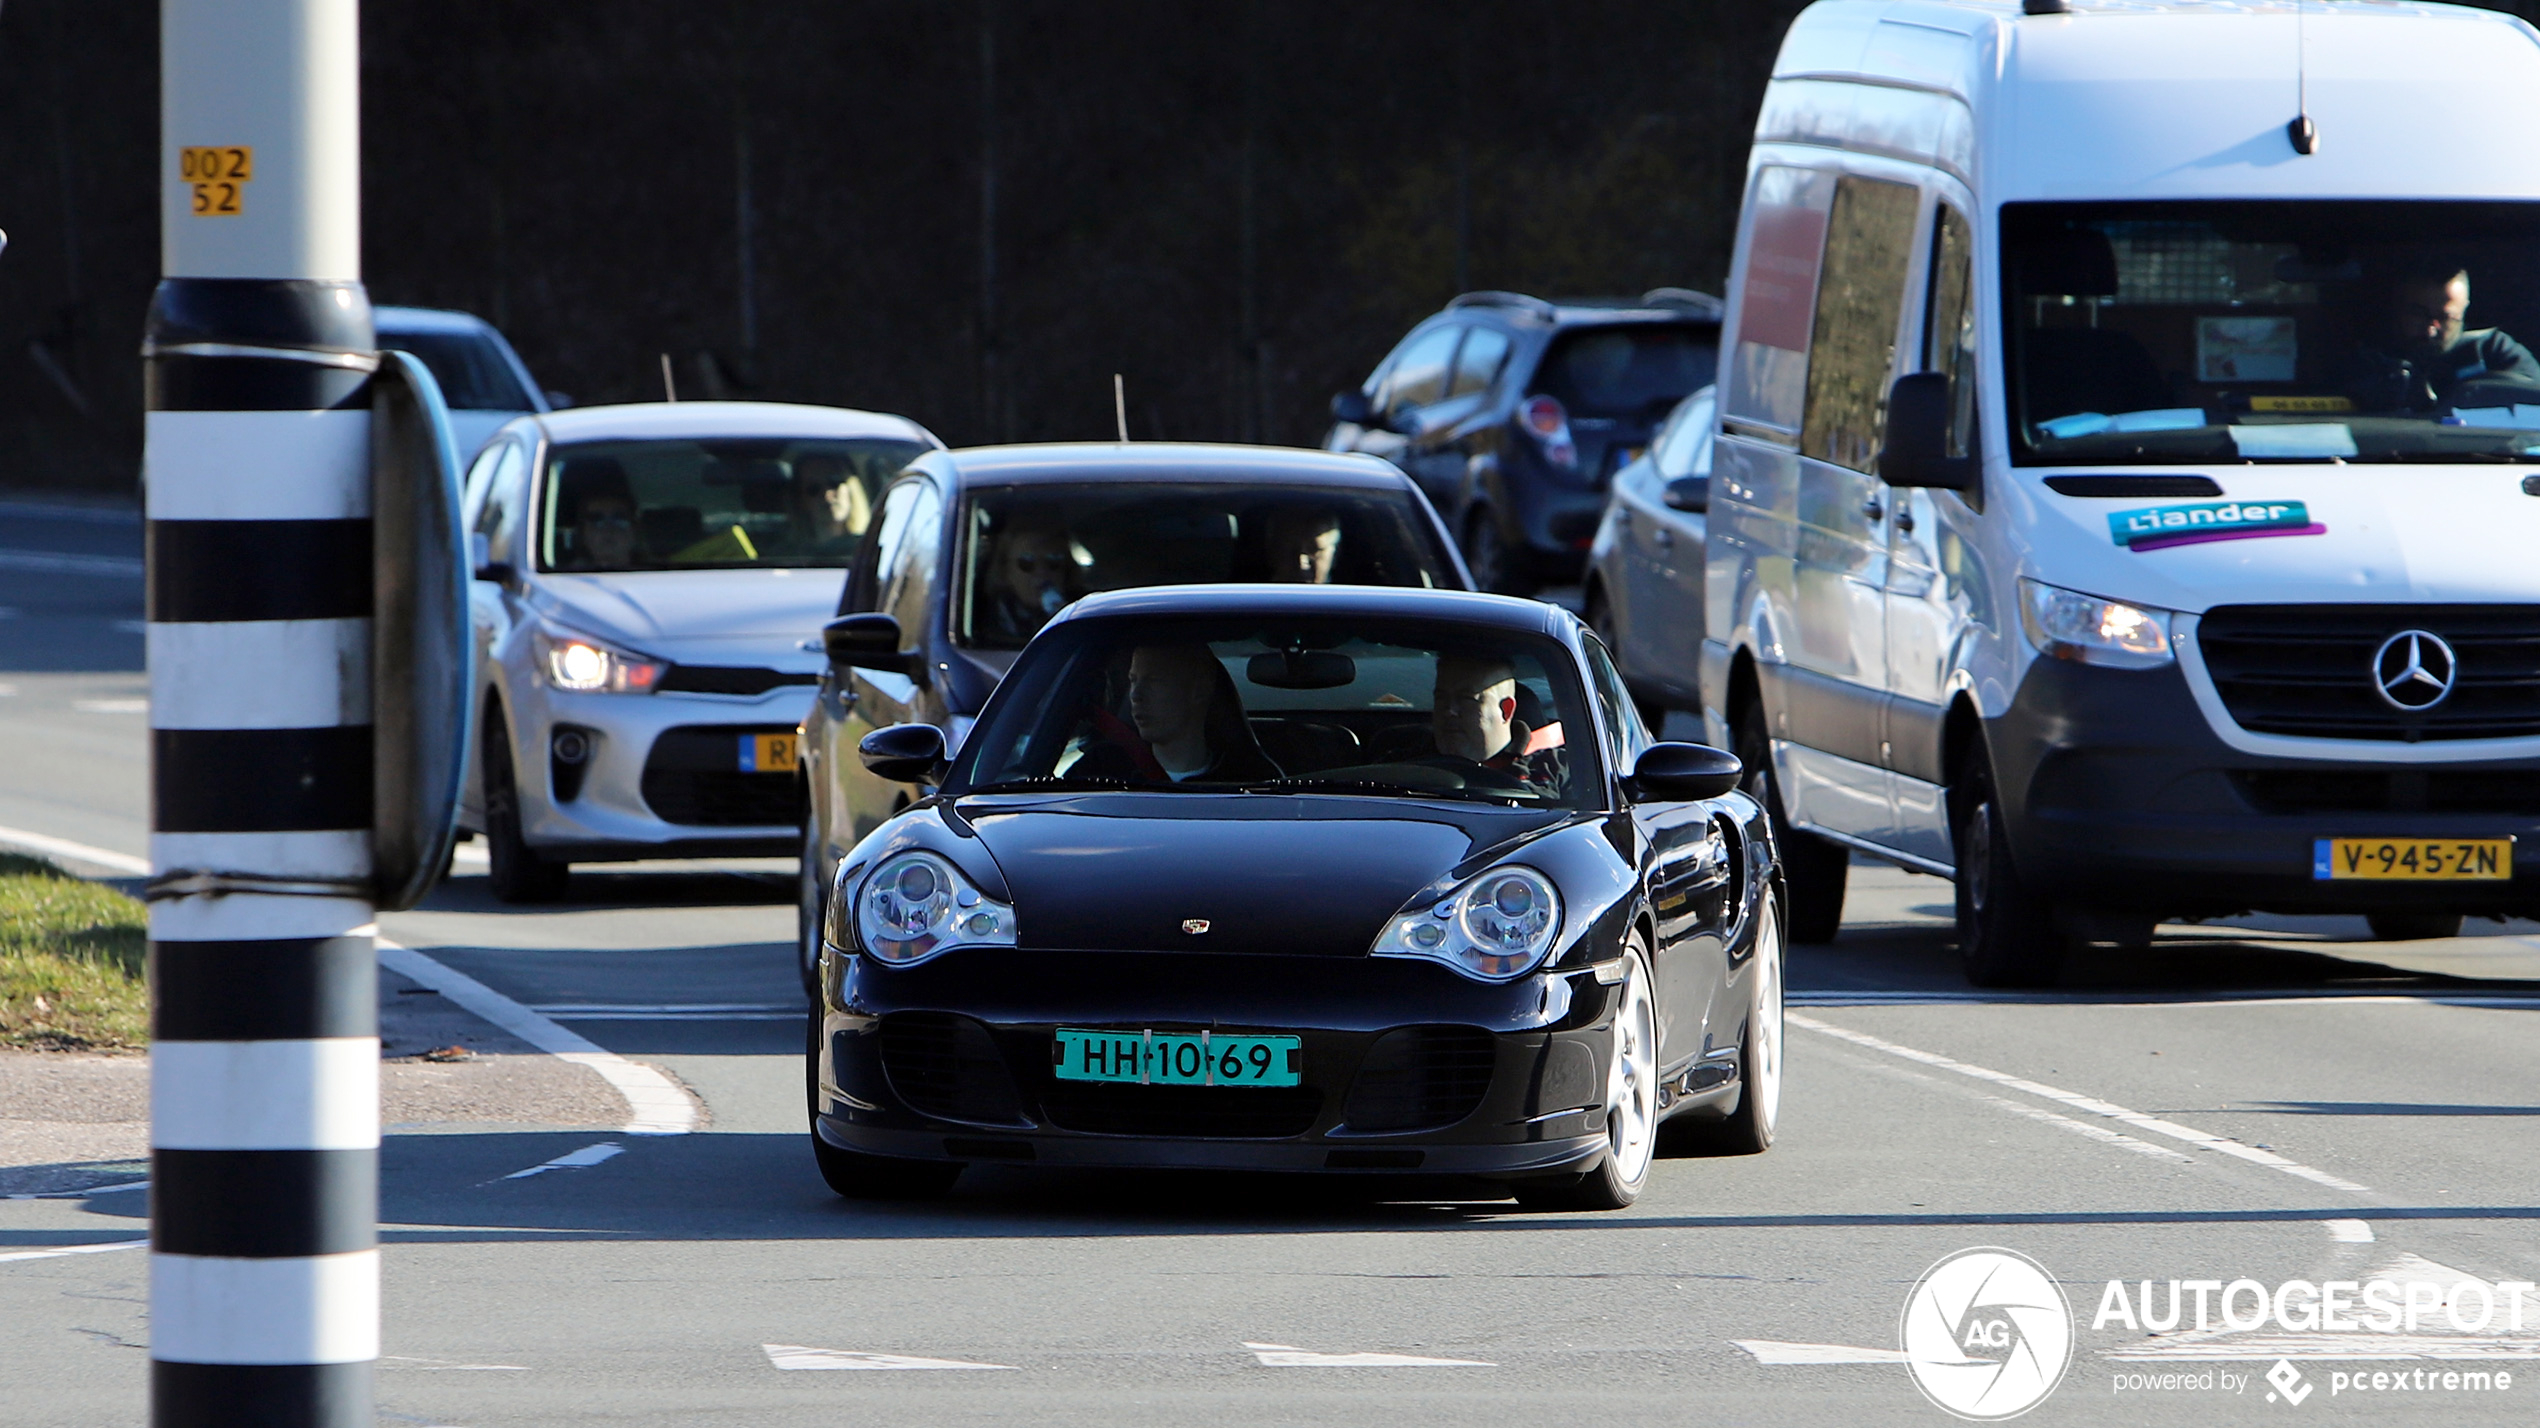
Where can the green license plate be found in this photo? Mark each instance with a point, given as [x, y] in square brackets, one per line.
[1177, 1058]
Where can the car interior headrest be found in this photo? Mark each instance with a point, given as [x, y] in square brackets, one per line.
[2075, 262]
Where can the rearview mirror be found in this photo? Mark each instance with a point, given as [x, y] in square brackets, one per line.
[904, 753]
[1351, 406]
[1301, 669]
[1673, 771]
[864, 642]
[1917, 446]
[1689, 493]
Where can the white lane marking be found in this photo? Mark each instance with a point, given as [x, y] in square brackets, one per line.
[661, 1106]
[73, 1249]
[1774, 1351]
[573, 1160]
[693, 1011]
[90, 854]
[2101, 1134]
[796, 1356]
[81, 1194]
[2349, 1232]
[48, 562]
[111, 706]
[407, 1361]
[1283, 1356]
[2222, 1145]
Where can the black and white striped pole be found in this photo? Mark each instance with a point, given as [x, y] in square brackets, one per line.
[264, 1273]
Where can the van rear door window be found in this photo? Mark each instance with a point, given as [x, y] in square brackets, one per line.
[1860, 298]
[1768, 373]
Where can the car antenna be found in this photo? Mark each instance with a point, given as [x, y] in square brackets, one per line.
[669, 388]
[1120, 406]
[2304, 134]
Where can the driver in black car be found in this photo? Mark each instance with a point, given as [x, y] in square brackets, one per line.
[1473, 718]
[2427, 349]
[1185, 724]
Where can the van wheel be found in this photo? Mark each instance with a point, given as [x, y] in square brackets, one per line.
[2006, 932]
[1495, 567]
[516, 871]
[2413, 926]
[1813, 869]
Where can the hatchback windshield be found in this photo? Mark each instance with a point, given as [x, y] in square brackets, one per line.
[2206, 332]
[657, 505]
[1628, 369]
[1029, 551]
[469, 368]
[1382, 707]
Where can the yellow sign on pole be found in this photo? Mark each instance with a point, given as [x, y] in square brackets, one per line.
[218, 175]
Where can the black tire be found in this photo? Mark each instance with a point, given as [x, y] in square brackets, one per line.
[1631, 1119]
[516, 871]
[1813, 870]
[2413, 926]
[1756, 1118]
[2006, 933]
[811, 900]
[853, 1174]
[1496, 568]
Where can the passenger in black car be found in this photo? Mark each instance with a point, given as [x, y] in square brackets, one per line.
[1186, 724]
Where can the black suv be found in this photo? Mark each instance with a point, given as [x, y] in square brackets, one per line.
[1513, 413]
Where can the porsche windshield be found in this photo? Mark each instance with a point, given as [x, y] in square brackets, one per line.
[2244, 331]
[712, 504]
[1028, 552]
[1382, 707]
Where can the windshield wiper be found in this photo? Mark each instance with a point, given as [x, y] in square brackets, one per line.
[1382, 789]
[1049, 783]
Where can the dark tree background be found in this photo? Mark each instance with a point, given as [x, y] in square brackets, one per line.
[972, 212]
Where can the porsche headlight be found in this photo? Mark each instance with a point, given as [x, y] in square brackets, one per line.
[915, 905]
[1496, 926]
[2094, 631]
[579, 664]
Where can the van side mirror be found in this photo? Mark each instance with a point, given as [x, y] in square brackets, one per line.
[1688, 493]
[1352, 407]
[1917, 446]
[864, 642]
[1673, 771]
[904, 753]
[481, 564]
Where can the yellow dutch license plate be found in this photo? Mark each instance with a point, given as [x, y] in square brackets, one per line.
[770, 753]
[2427, 860]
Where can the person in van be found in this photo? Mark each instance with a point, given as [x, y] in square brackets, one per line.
[2431, 351]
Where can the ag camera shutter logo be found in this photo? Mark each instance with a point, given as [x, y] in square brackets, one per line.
[1987, 1334]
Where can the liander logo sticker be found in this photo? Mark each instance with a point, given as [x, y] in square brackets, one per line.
[2160, 527]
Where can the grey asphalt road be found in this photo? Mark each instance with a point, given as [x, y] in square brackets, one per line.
[2260, 1101]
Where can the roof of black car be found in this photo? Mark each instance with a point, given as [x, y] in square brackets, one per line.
[1380, 601]
[1169, 461]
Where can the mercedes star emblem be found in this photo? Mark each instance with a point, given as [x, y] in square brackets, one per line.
[1195, 925]
[2414, 670]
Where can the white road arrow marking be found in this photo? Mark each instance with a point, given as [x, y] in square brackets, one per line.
[1282, 1356]
[2350, 1232]
[1774, 1351]
[74, 1249]
[796, 1356]
[575, 1160]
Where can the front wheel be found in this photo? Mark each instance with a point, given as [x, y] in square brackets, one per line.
[1631, 1107]
[1814, 870]
[1753, 1121]
[517, 872]
[2006, 933]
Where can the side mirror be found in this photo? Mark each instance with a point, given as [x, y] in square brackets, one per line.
[481, 563]
[1689, 493]
[904, 753]
[1917, 445]
[1352, 407]
[864, 642]
[558, 401]
[1675, 771]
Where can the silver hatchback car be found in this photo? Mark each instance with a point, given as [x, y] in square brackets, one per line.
[650, 586]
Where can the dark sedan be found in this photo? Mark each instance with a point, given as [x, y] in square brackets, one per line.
[1304, 879]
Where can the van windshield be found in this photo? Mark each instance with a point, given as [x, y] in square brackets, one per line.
[2272, 331]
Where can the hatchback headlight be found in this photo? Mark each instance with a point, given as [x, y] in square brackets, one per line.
[579, 664]
[1496, 926]
[913, 906]
[2094, 631]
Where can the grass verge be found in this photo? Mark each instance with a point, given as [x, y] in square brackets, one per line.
[71, 959]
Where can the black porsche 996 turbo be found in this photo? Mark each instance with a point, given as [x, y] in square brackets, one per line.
[1302, 878]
